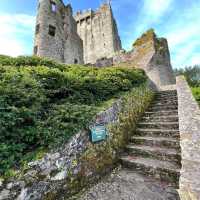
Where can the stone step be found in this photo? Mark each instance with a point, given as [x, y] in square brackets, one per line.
[156, 141]
[157, 132]
[161, 125]
[160, 153]
[166, 102]
[163, 108]
[162, 170]
[166, 94]
[165, 97]
[160, 113]
[170, 118]
[167, 91]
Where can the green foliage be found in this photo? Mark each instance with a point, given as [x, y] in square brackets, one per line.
[196, 93]
[99, 158]
[43, 103]
[134, 105]
[192, 75]
[147, 36]
[28, 61]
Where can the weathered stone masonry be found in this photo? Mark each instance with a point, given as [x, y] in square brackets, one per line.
[98, 30]
[57, 36]
[56, 33]
[151, 54]
[189, 125]
[50, 178]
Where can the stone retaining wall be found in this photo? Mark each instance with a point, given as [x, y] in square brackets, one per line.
[189, 122]
[79, 163]
[46, 178]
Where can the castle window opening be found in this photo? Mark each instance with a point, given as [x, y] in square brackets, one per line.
[82, 20]
[53, 6]
[88, 20]
[52, 30]
[75, 61]
[37, 29]
[35, 50]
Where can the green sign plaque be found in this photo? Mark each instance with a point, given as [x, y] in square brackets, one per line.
[98, 133]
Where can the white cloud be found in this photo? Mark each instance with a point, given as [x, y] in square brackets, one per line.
[183, 36]
[195, 60]
[156, 8]
[14, 29]
[175, 20]
[150, 13]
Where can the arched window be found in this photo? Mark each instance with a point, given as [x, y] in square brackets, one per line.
[75, 61]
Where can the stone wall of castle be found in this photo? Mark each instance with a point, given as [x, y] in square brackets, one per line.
[56, 33]
[99, 33]
[152, 55]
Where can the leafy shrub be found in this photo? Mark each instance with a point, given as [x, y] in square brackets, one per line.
[196, 93]
[46, 104]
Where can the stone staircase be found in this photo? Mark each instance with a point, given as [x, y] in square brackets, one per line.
[154, 150]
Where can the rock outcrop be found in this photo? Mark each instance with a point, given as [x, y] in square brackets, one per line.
[151, 54]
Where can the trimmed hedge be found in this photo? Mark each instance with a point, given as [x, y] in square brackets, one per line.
[43, 106]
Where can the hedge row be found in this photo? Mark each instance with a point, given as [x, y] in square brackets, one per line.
[44, 105]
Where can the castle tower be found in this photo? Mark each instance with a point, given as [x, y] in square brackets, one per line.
[56, 33]
[99, 33]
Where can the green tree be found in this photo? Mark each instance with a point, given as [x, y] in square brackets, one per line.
[192, 74]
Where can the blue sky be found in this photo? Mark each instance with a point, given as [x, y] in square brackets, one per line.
[177, 20]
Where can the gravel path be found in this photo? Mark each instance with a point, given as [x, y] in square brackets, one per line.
[127, 185]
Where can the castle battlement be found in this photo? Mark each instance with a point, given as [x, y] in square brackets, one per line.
[81, 15]
[90, 12]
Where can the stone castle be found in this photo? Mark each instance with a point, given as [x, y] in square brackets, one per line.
[99, 33]
[84, 38]
[91, 37]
